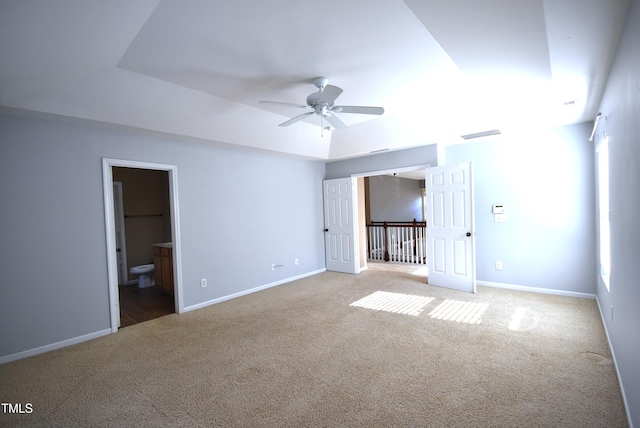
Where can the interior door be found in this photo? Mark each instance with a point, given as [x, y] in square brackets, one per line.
[450, 227]
[121, 246]
[341, 245]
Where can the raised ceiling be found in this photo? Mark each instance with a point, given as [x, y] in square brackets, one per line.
[198, 68]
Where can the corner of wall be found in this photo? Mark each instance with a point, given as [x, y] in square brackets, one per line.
[440, 155]
[627, 407]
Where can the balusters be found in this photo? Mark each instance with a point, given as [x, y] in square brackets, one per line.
[402, 242]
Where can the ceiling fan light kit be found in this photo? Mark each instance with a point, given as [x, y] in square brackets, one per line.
[321, 103]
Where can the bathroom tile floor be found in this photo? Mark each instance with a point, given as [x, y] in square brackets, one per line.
[143, 304]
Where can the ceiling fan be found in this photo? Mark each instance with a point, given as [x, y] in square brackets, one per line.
[322, 104]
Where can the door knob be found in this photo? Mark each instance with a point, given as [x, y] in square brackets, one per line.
[326, 230]
[118, 250]
[468, 233]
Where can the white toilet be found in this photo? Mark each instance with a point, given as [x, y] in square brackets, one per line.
[145, 273]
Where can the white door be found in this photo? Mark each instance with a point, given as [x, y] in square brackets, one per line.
[341, 245]
[121, 246]
[450, 227]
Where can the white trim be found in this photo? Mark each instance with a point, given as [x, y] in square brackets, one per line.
[537, 289]
[615, 364]
[53, 346]
[112, 263]
[112, 260]
[251, 290]
[390, 171]
[73, 341]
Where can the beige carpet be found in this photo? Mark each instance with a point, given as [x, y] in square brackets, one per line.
[327, 351]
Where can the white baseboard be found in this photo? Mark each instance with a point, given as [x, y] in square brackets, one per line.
[251, 290]
[537, 290]
[53, 346]
[615, 364]
[95, 335]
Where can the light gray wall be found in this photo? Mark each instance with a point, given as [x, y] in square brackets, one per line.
[239, 211]
[621, 106]
[418, 156]
[546, 181]
[395, 198]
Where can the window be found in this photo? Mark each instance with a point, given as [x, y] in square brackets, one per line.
[603, 209]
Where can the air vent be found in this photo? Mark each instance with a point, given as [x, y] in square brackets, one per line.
[481, 134]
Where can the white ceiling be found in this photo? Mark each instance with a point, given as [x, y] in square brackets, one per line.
[198, 68]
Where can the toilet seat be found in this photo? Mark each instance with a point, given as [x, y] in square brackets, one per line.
[142, 269]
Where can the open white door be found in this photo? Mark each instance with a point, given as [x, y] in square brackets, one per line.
[450, 227]
[340, 233]
[121, 246]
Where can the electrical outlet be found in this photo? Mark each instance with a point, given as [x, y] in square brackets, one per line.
[295, 262]
[273, 266]
[498, 265]
[611, 313]
[203, 282]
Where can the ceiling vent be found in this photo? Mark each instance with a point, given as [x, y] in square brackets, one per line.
[481, 134]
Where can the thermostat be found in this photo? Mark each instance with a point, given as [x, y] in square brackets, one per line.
[498, 209]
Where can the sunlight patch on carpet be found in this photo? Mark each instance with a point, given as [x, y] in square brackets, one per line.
[517, 318]
[458, 311]
[523, 319]
[407, 304]
[423, 271]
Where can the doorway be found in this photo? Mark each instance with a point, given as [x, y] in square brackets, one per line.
[449, 192]
[151, 223]
[347, 214]
[143, 221]
[392, 216]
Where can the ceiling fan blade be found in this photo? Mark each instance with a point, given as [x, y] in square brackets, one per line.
[329, 94]
[296, 119]
[283, 104]
[335, 122]
[358, 109]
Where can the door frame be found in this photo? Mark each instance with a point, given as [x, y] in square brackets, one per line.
[110, 229]
[391, 170]
[356, 228]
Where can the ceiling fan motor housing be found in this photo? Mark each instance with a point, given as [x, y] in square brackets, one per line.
[312, 99]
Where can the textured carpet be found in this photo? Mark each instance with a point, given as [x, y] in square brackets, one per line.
[376, 349]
